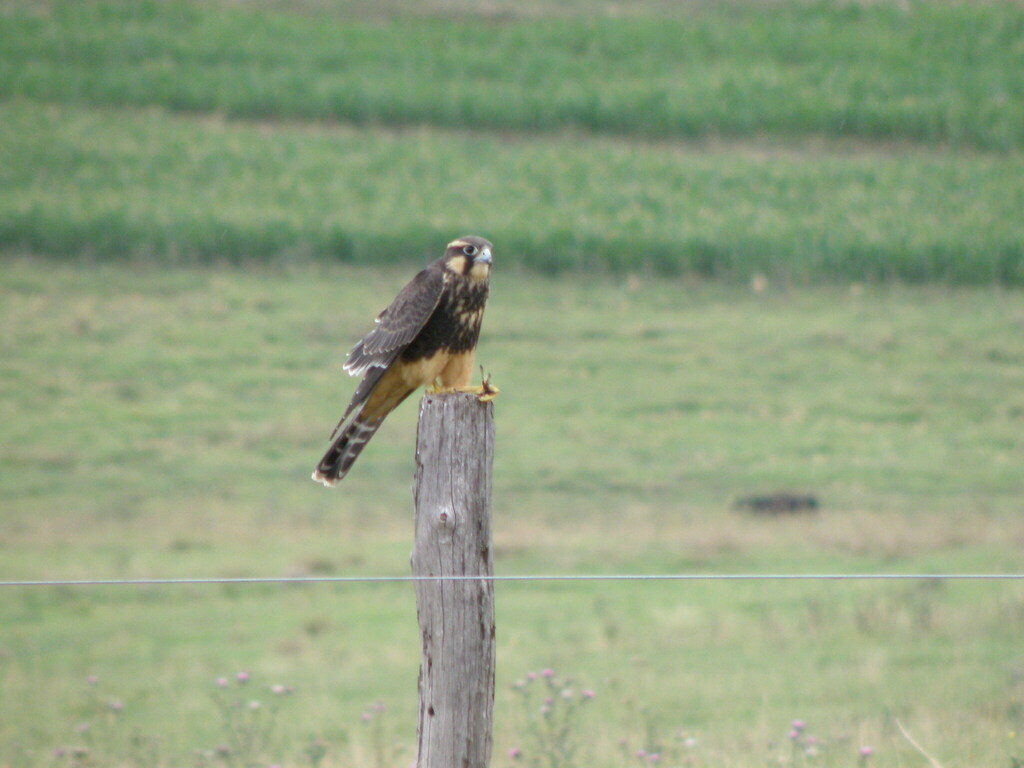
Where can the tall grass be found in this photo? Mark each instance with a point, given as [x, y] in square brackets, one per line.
[148, 184]
[933, 72]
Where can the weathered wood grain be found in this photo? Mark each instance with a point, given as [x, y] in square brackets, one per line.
[454, 458]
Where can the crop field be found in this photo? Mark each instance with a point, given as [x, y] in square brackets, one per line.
[807, 141]
[741, 248]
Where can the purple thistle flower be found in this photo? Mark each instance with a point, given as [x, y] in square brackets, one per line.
[515, 753]
[794, 734]
[242, 678]
[866, 752]
[587, 693]
[798, 725]
[641, 753]
[531, 676]
[548, 673]
[222, 682]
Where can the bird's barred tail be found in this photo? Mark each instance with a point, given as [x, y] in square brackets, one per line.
[344, 451]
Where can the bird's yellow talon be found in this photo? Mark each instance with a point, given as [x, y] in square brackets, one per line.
[486, 392]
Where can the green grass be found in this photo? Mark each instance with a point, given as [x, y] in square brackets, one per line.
[933, 72]
[164, 421]
[150, 185]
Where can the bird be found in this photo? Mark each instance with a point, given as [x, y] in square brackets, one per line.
[426, 337]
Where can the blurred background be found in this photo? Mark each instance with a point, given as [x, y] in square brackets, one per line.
[756, 308]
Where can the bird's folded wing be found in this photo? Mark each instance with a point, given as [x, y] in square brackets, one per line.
[399, 324]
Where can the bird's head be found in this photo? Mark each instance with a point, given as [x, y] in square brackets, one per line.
[469, 257]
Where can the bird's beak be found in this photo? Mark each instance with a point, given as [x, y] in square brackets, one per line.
[484, 256]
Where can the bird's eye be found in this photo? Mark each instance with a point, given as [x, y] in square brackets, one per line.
[470, 250]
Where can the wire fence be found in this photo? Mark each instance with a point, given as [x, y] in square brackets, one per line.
[517, 578]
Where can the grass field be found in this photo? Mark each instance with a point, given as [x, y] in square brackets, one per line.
[938, 72]
[121, 184]
[740, 248]
[806, 141]
[163, 422]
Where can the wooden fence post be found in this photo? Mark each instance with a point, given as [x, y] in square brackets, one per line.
[454, 457]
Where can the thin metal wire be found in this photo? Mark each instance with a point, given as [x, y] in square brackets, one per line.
[518, 578]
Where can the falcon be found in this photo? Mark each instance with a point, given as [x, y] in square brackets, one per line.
[426, 337]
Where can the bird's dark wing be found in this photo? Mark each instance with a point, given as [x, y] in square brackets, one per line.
[399, 323]
[396, 327]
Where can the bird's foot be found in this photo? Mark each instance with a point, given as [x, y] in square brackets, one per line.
[486, 391]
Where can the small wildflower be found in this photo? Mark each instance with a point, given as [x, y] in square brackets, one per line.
[548, 673]
[794, 734]
[515, 753]
[654, 757]
[587, 693]
[83, 727]
[520, 683]
[242, 678]
[366, 716]
[254, 704]
[798, 725]
[116, 705]
[223, 750]
[689, 742]
[531, 676]
[378, 707]
[866, 751]
[641, 753]
[222, 682]
[548, 701]
[58, 752]
[92, 680]
[567, 693]
[278, 690]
